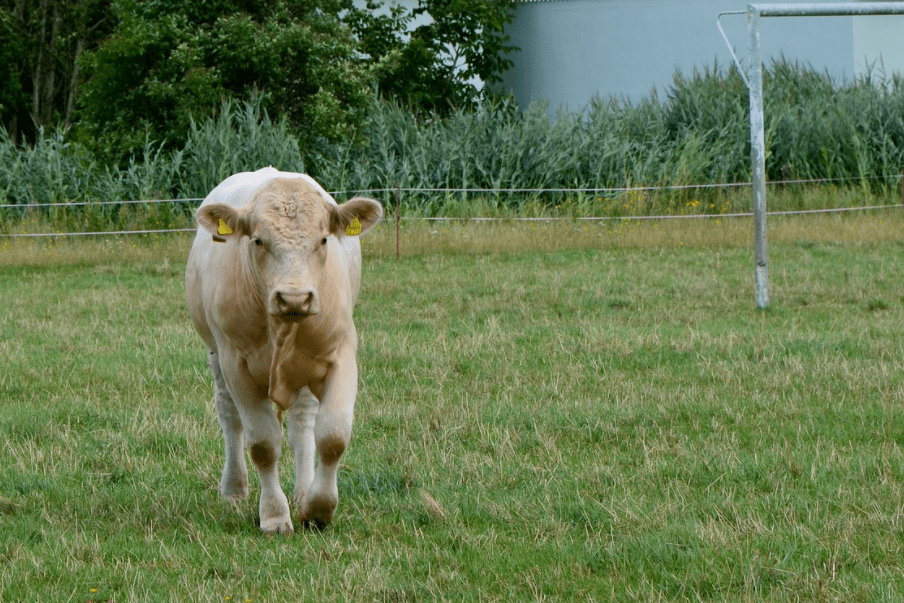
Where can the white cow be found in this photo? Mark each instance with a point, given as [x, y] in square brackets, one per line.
[271, 281]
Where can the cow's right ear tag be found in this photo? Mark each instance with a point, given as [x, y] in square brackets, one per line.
[224, 228]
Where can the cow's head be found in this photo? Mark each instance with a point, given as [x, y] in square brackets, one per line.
[288, 225]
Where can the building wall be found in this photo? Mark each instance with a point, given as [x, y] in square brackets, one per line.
[879, 45]
[574, 49]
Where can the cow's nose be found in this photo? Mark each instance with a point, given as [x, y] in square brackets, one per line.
[295, 303]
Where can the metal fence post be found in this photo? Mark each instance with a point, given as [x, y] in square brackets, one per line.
[398, 219]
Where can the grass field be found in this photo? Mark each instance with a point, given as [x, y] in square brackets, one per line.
[561, 412]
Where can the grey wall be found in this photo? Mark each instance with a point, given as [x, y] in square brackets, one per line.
[573, 49]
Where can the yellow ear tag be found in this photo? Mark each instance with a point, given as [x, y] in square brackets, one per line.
[224, 228]
[354, 228]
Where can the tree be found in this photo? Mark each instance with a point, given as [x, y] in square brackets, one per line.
[435, 66]
[40, 44]
[169, 60]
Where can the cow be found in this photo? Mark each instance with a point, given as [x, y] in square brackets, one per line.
[271, 280]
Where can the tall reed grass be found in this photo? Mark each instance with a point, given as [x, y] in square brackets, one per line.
[696, 133]
[241, 137]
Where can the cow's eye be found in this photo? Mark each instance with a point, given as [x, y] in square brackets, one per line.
[257, 241]
[323, 242]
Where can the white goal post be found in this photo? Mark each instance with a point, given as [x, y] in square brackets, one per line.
[754, 81]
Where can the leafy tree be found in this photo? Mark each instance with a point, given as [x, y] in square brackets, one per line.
[435, 65]
[40, 44]
[169, 60]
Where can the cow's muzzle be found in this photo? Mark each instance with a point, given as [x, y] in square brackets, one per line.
[293, 304]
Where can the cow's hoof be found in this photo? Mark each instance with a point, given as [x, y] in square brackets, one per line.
[317, 525]
[234, 490]
[318, 512]
[277, 526]
[234, 496]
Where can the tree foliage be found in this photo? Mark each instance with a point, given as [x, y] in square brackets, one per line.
[436, 65]
[114, 74]
[170, 60]
[40, 44]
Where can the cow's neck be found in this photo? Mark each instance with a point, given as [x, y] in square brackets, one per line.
[301, 358]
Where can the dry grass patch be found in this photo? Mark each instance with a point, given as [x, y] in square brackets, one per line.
[422, 237]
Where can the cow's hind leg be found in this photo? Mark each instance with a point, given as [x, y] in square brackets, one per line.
[234, 481]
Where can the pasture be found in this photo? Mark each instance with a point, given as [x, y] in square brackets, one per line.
[548, 412]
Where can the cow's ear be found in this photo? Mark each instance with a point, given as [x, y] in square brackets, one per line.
[355, 216]
[223, 221]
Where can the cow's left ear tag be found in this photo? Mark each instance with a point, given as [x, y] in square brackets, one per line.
[354, 228]
[223, 230]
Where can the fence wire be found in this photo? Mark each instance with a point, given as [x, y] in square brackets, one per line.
[400, 189]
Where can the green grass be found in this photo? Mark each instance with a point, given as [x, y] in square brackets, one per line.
[603, 417]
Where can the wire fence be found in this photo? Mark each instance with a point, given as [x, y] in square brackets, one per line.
[659, 217]
[398, 190]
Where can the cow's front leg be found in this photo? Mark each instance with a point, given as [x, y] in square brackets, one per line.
[265, 450]
[264, 444]
[234, 481]
[300, 420]
[263, 433]
[332, 432]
